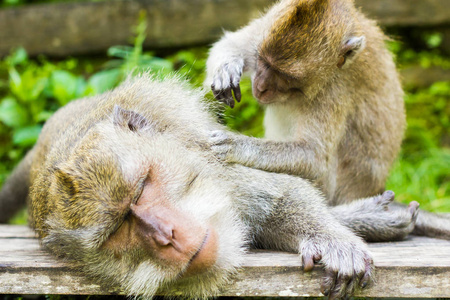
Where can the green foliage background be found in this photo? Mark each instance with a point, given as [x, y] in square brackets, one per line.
[32, 89]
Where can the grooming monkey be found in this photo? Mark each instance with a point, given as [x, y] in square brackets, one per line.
[334, 103]
[126, 186]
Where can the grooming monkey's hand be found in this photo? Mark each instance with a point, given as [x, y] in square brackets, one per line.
[226, 79]
[347, 264]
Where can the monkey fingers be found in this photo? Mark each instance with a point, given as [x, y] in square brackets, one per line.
[226, 82]
[220, 143]
[404, 220]
[308, 263]
[343, 287]
[350, 282]
[336, 285]
[237, 92]
[328, 282]
[385, 199]
[413, 209]
[224, 96]
[364, 278]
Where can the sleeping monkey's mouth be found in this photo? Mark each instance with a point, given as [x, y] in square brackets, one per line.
[205, 239]
[204, 257]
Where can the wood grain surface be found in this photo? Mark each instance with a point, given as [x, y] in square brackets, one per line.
[416, 268]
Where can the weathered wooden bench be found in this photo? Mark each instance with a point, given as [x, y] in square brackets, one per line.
[415, 268]
[67, 28]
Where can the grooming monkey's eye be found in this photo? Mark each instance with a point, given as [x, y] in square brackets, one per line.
[343, 58]
[349, 53]
[264, 63]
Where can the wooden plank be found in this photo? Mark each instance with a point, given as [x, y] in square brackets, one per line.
[61, 29]
[407, 12]
[418, 267]
[77, 28]
[15, 231]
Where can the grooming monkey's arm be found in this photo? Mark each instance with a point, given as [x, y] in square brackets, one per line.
[232, 55]
[307, 157]
[298, 158]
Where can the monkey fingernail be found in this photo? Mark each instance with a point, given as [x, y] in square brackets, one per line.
[365, 280]
[389, 195]
[413, 209]
[413, 206]
[308, 263]
[237, 93]
[325, 291]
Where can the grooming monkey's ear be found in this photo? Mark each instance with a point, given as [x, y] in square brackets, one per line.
[129, 119]
[351, 48]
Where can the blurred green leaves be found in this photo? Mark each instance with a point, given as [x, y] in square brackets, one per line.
[12, 114]
[428, 118]
[26, 136]
[65, 86]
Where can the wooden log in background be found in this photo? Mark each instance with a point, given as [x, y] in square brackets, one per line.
[415, 268]
[60, 29]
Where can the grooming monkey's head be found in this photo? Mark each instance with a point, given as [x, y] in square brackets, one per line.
[309, 43]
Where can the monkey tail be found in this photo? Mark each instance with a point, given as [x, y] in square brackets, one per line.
[14, 192]
[432, 225]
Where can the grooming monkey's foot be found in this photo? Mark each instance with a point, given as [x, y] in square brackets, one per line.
[386, 221]
[399, 222]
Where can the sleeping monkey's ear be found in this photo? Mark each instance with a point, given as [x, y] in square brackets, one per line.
[130, 119]
[351, 48]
